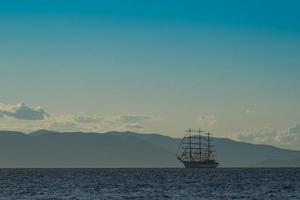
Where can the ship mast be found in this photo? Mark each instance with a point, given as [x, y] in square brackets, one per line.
[188, 154]
[208, 146]
[200, 145]
[190, 146]
[199, 152]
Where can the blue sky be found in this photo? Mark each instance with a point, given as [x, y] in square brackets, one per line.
[183, 63]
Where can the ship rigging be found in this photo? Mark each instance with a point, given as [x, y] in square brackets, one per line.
[196, 150]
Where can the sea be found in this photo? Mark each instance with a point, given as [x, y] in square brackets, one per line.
[178, 183]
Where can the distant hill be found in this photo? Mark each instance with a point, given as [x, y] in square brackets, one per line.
[120, 149]
[279, 163]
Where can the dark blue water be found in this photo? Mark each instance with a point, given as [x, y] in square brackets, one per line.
[149, 184]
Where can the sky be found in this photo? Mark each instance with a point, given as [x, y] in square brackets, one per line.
[231, 67]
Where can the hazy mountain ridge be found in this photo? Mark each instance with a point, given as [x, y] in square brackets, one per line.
[121, 149]
[279, 163]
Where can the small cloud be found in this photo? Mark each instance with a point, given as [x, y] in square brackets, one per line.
[207, 120]
[134, 126]
[250, 112]
[23, 112]
[116, 122]
[63, 126]
[130, 119]
[34, 118]
[82, 118]
[261, 136]
[133, 119]
[289, 138]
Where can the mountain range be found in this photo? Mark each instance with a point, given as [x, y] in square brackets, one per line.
[45, 148]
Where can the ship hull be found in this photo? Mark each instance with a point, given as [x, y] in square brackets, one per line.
[200, 164]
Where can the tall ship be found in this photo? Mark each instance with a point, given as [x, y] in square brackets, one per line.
[196, 150]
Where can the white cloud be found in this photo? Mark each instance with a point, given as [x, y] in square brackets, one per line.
[265, 136]
[207, 120]
[133, 119]
[250, 112]
[25, 118]
[130, 118]
[289, 138]
[116, 122]
[63, 126]
[22, 111]
[82, 118]
[134, 126]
